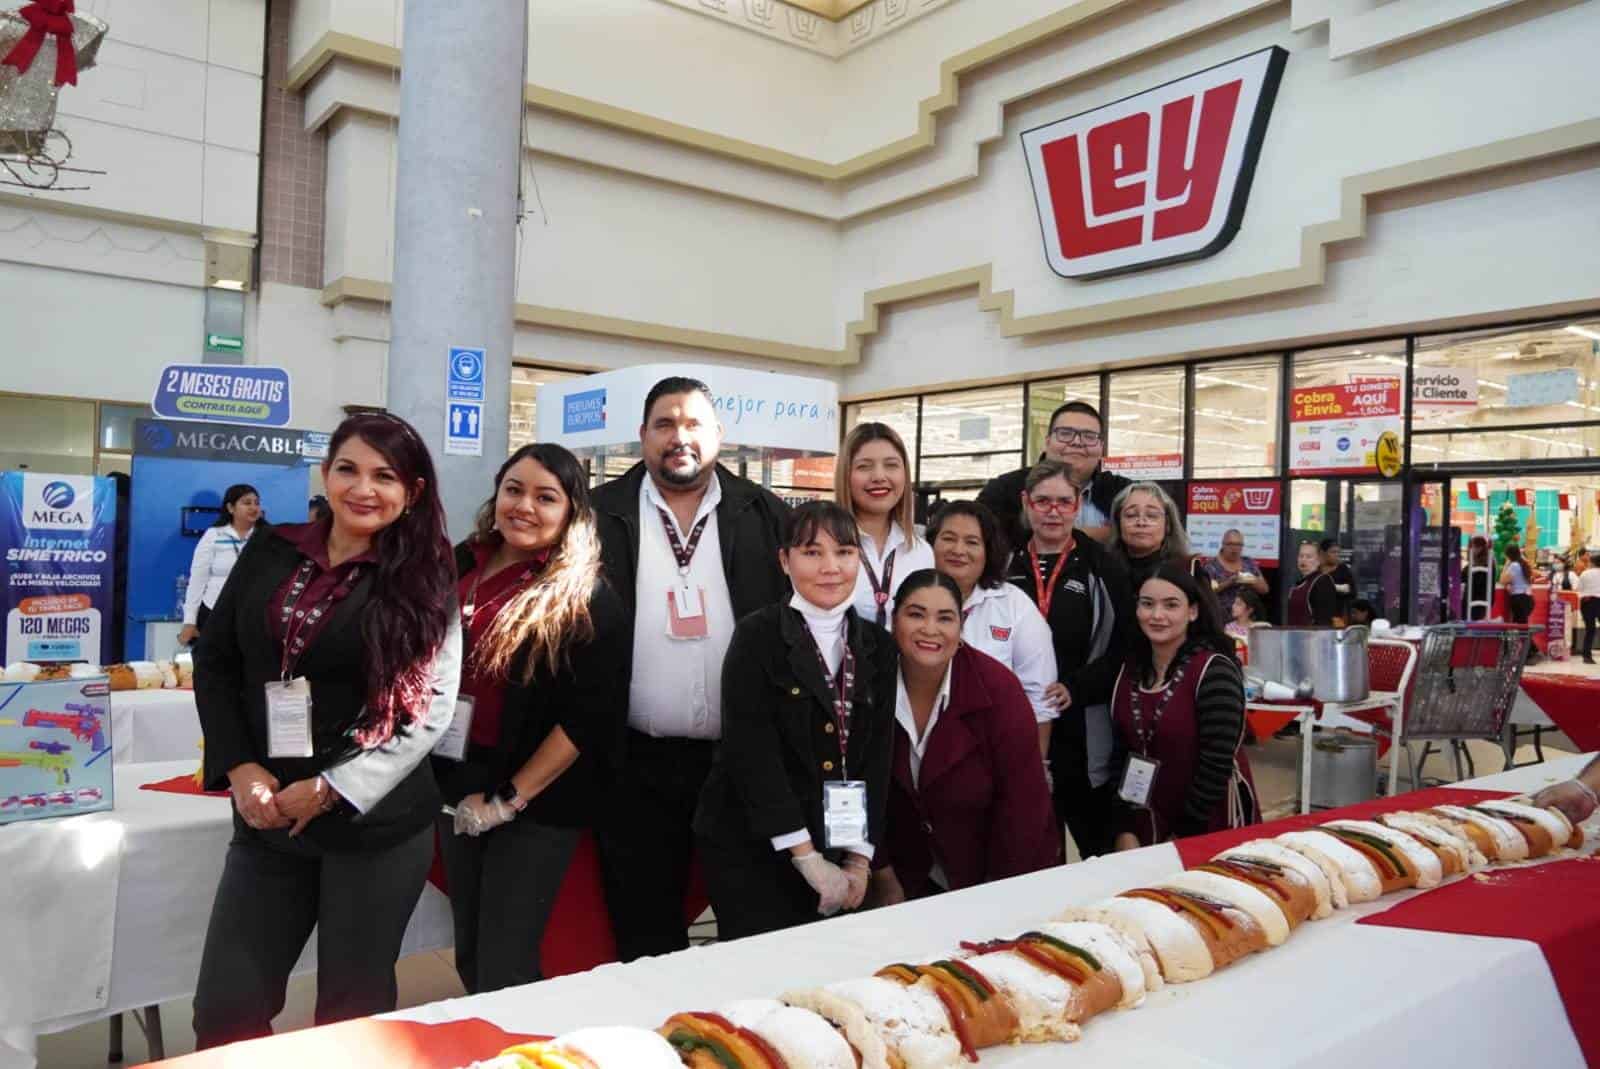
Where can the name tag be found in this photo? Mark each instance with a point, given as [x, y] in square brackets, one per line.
[1137, 779]
[452, 745]
[844, 814]
[289, 718]
[686, 613]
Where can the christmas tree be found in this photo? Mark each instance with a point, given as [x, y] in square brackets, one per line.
[1506, 532]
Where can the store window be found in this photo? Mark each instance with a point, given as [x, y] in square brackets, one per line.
[524, 405]
[1045, 397]
[1145, 424]
[970, 436]
[1236, 410]
[899, 413]
[115, 443]
[1342, 401]
[47, 435]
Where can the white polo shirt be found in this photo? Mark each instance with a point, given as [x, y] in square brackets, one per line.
[1004, 622]
[907, 559]
[676, 690]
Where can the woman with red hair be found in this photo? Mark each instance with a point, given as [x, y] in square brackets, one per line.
[326, 673]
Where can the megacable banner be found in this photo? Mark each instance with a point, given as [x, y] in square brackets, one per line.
[59, 536]
[1334, 430]
[1252, 508]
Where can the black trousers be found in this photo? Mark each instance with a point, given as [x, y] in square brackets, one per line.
[201, 615]
[503, 886]
[647, 842]
[273, 891]
[1090, 814]
[1520, 606]
[1590, 607]
[755, 889]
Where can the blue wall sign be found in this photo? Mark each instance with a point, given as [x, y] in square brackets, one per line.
[242, 394]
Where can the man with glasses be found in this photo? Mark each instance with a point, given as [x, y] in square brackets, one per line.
[1230, 571]
[1077, 439]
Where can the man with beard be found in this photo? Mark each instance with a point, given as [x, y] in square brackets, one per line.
[1077, 439]
[691, 548]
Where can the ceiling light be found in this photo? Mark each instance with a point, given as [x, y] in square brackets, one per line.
[1584, 331]
[1490, 383]
[1507, 354]
[1203, 380]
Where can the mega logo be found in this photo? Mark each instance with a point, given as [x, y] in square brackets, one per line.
[57, 502]
[1154, 178]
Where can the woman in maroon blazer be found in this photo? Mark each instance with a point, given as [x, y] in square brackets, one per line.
[968, 802]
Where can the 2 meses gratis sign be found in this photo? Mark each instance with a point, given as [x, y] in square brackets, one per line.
[244, 395]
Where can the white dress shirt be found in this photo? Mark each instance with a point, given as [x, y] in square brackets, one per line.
[676, 691]
[212, 564]
[1004, 622]
[828, 630]
[919, 745]
[1589, 583]
[908, 558]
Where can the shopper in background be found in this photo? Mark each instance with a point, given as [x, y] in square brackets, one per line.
[541, 713]
[1232, 573]
[872, 480]
[1313, 602]
[1179, 713]
[1344, 579]
[1517, 579]
[1362, 612]
[1248, 611]
[327, 671]
[1077, 438]
[1477, 578]
[216, 554]
[998, 618]
[1589, 607]
[793, 810]
[1148, 532]
[1082, 592]
[691, 548]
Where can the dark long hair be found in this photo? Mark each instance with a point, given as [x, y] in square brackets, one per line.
[1205, 630]
[230, 498]
[996, 552]
[551, 614]
[413, 591]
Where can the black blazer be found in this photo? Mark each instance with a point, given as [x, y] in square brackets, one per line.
[778, 738]
[236, 657]
[749, 526]
[1003, 495]
[587, 698]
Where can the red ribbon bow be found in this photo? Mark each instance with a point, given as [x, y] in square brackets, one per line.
[46, 17]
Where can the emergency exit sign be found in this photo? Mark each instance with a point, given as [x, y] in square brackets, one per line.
[224, 343]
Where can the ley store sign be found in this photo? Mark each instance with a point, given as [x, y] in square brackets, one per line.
[1155, 178]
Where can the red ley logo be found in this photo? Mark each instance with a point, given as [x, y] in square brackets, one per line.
[1155, 178]
[1000, 634]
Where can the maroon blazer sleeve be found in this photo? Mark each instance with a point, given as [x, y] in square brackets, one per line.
[1023, 833]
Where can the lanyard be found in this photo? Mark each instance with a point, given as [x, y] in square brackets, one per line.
[1147, 735]
[682, 553]
[1045, 590]
[530, 568]
[301, 626]
[880, 591]
[843, 685]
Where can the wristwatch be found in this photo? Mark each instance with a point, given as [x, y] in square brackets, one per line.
[507, 793]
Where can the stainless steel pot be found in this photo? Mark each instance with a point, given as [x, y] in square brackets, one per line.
[1332, 661]
[1344, 770]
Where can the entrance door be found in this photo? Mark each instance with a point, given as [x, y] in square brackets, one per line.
[1365, 520]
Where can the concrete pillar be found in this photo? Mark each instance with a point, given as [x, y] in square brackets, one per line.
[455, 225]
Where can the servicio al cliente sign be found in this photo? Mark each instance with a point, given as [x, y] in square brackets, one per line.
[1154, 178]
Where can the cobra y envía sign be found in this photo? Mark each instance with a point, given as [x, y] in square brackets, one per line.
[1155, 178]
[247, 395]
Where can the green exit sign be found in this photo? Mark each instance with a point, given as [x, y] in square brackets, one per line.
[224, 343]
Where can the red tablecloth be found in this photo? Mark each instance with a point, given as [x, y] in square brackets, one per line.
[181, 785]
[1556, 906]
[1573, 703]
[364, 1042]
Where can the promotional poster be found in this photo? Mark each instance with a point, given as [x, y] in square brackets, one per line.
[59, 536]
[55, 749]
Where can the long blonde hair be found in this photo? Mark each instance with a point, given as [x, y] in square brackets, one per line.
[549, 615]
[905, 513]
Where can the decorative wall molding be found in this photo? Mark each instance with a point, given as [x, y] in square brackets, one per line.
[1357, 26]
[808, 24]
[35, 234]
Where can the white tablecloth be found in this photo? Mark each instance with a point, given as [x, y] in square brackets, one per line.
[154, 725]
[173, 848]
[1338, 994]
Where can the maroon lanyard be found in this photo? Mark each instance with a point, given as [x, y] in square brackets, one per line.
[843, 685]
[683, 554]
[1145, 735]
[301, 626]
[1045, 591]
[880, 591]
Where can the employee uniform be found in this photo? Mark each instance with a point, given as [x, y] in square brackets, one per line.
[883, 569]
[1589, 606]
[503, 883]
[214, 558]
[1004, 623]
[1142, 568]
[783, 739]
[1003, 496]
[355, 873]
[968, 802]
[1086, 601]
[1344, 585]
[675, 691]
[1313, 601]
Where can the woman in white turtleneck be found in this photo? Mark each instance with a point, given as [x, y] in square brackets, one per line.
[794, 805]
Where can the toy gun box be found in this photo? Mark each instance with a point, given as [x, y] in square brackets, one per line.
[55, 749]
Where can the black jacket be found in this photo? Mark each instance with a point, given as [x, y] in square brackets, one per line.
[1003, 496]
[779, 743]
[749, 526]
[587, 698]
[238, 655]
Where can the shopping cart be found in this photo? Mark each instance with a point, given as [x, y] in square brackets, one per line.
[1467, 680]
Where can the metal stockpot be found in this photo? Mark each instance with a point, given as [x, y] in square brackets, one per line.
[1331, 660]
[1344, 770]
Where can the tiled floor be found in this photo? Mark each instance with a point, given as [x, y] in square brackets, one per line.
[430, 977]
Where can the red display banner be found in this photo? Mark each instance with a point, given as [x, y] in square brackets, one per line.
[1253, 508]
[1146, 465]
[1334, 430]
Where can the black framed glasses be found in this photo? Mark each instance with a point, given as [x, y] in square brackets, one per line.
[1074, 436]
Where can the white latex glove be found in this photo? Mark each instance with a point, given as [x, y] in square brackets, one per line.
[476, 815]
[1572, 797]
[827, 879]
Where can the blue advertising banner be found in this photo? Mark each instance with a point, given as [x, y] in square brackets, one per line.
[240, 394]
[58, 533]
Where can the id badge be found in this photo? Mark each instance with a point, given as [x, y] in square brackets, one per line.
[1137, 779]
[844, 814]
[452, 745]
[686, 613]
[289, 718]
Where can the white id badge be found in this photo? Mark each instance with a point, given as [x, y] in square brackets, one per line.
[1137, 780]
[289, 718]
[686, 613]
[844, 814]
[687, 601]
[452, 745]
